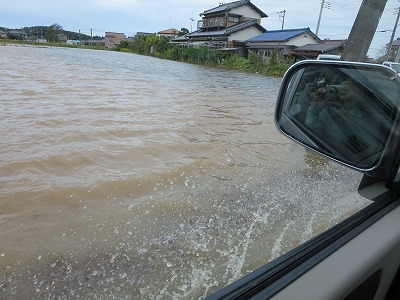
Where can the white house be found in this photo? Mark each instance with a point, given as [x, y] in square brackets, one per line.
[283, 41]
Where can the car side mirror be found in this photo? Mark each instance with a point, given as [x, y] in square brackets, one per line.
[345, 111]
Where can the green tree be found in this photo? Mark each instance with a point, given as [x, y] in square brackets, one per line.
[123, 44]
[184, 31]
[52, 32]
[155, 42]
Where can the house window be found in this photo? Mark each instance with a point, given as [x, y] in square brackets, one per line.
[265, 53]
[214, 45]
[233, 19]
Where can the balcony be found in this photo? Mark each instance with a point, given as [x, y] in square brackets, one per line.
[211, 23]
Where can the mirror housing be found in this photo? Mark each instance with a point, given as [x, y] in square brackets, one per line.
[345, 111]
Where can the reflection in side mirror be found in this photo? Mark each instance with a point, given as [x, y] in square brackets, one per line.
[343, 110]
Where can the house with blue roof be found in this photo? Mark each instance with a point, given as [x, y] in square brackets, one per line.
[226, 26]
[283, 41]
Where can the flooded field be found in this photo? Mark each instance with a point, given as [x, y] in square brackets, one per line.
[130, 177]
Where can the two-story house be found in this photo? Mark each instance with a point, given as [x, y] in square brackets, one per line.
[228, 25]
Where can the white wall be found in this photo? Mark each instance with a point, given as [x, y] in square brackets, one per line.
[303, 39]
[246, 11]
[245, 34]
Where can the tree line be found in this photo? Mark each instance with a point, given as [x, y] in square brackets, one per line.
[51, 33]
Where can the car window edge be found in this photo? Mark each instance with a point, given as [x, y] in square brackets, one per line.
[275, 275]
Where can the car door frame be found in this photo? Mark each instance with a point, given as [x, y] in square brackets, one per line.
[337, 264]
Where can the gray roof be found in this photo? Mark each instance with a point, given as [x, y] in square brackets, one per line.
[17, 32]
[225, 31]
[336, 42]
[228, 6]
[181, 38]
[396, 42]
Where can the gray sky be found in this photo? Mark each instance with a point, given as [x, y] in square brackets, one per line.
[131, 16]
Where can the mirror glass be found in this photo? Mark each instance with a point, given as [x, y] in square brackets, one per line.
[342, 110]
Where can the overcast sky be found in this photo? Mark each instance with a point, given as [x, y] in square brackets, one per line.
[131, 16]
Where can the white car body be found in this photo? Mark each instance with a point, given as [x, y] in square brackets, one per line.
[393, 65]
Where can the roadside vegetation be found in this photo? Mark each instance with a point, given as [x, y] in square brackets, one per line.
[154, 45]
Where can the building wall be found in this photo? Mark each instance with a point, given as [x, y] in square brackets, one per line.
[245, 34]
[113, 39]
[302, 40]
[247, 12]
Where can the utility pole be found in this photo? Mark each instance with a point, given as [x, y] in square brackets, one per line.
[91, 37]
[319, 18]
[283, 17]
[363, 30]
[392, 37]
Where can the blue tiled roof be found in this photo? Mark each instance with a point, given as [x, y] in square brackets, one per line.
[278, 35]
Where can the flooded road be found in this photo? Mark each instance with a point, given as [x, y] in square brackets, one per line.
[130, 177]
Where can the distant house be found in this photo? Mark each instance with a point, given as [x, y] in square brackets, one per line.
[17, 33]
[394, 54]
[396, 43]
[62, 38]
[283, 41]
[141, 34]
[226, 26]
[334, 42]
[169, 33]
[73, 42]
[113, 39]
[3, 34]
[311, 51]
